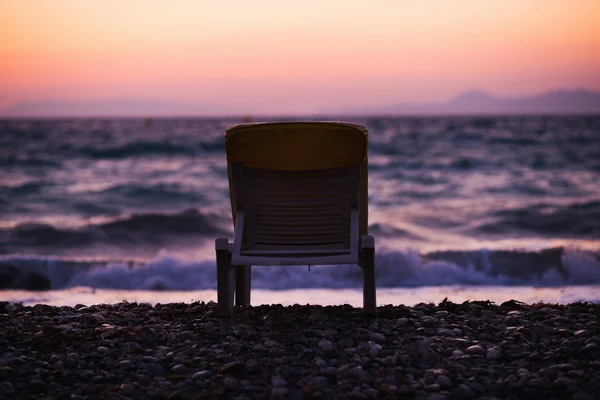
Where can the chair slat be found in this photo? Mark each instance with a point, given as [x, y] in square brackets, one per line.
[296, 207]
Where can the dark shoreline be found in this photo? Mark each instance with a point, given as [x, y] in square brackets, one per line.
[183, 351]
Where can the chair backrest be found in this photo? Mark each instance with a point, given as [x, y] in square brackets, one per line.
[300, 210]
[297, 183]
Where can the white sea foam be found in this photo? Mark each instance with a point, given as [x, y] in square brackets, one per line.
[395, 269]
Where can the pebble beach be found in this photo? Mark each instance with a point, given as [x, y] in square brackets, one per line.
[471, 350]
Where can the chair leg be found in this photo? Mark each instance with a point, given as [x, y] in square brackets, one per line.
[224, 282]
[232, 286]
[368, 267]
[242, 285]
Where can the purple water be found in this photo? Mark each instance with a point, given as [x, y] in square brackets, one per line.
[122, 204]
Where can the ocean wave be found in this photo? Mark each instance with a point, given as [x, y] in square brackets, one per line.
[189, 222]
[139, 148]
[578, 219]
[159, 192]
[443, 178]
[123, 236]
[511, 140]
[551, 267]
[465, 163]
[24, 162]
[389, 231]
[25, 189]
[140, 234]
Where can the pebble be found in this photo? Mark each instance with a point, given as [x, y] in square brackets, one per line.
[132, 347]
[6, 387]
[186, 335]
[377, 337]
[232, 367]
[444, 382]
[594, 384]
[563, 383]
[98, 317]
[319, 381]
[185, 351]
[463, 392]
[476, 349]
[279, 393]
[435, 396]
[318, 317]
[561, 320]
[583, 396]
[278, 381]
[16, 362]
[592, 347]
[374, 350]
[156, 369]
[209, 327]
[230, 382]
[129, 315]
[179, 369]
[127, 388]
[563, 366]
[434, 387]
[576, 373]
[65, 327]
[537, 382]
[325, 345]
[202, 375]
[493, 353]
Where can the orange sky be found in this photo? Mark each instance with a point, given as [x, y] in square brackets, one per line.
[294, 56]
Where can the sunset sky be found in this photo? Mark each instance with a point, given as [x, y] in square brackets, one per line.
[277, 56]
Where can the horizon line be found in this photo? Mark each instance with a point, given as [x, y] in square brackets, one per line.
[19, 110]
[260, 117]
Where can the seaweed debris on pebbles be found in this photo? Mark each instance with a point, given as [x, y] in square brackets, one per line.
[474, 350]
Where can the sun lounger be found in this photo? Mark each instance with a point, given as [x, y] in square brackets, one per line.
[299, 196]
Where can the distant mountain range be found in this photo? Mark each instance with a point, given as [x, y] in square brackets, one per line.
[475, 102]
[577, 101]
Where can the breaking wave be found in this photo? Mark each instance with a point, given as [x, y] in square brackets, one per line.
[127, 235]
[551, 267]
[578, 219]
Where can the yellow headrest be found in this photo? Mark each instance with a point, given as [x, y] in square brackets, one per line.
[296, 145]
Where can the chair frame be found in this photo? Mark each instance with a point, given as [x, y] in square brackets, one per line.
[234, 264]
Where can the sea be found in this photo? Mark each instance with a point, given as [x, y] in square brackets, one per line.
[105, 210]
